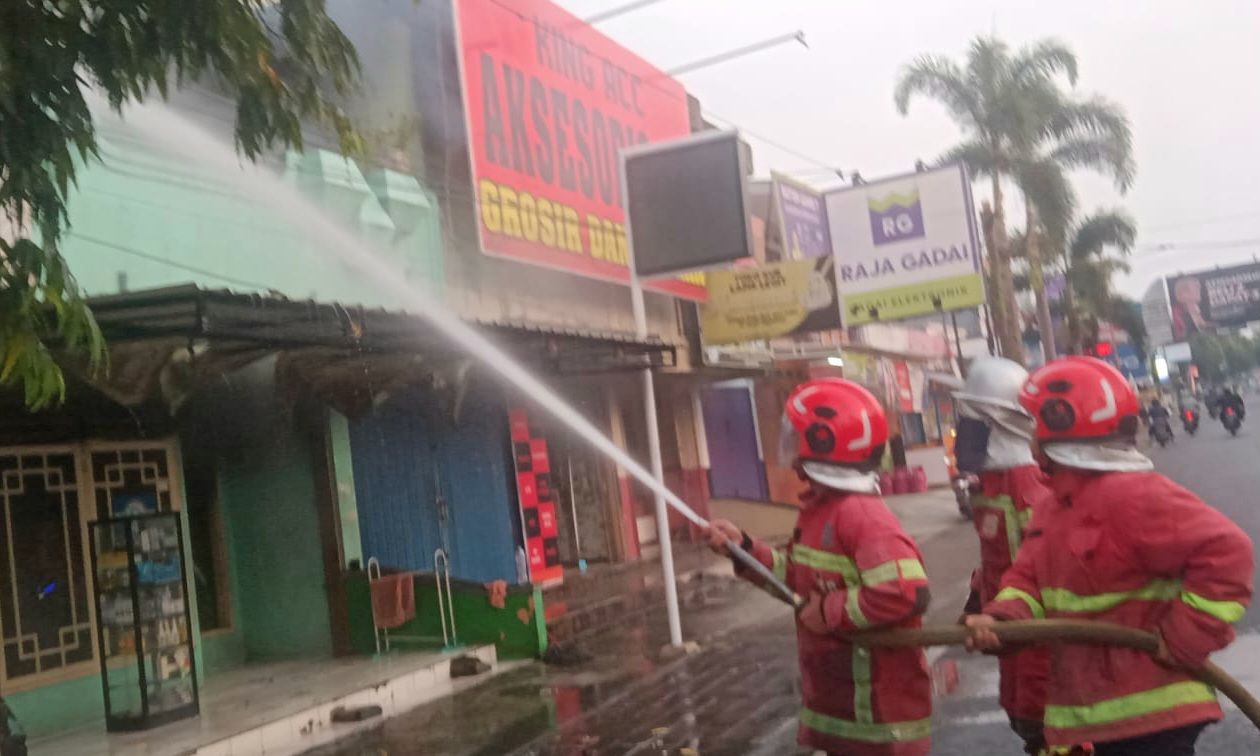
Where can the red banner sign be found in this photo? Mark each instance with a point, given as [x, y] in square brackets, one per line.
[550, 101]
[537, 501]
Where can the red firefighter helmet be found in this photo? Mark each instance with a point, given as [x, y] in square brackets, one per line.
[1080, 399]
[836, 421]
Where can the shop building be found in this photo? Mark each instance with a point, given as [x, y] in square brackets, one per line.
[299, 421]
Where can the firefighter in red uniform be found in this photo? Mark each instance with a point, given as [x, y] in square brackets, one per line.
[850, 557]
[995, 443]
[1119, 543]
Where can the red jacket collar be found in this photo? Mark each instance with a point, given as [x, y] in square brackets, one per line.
[1067, 482]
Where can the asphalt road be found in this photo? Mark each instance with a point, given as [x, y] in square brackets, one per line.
[740, 694]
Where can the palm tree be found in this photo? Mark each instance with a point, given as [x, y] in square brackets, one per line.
[1099, 247]
[1018, 124]
[1090, 134]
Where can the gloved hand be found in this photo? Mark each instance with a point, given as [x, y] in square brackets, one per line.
[982, 637]
[811, 615]
[720, 533]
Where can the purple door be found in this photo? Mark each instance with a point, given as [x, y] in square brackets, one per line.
[735, 467]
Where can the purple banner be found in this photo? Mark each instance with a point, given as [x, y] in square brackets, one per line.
[804, 221]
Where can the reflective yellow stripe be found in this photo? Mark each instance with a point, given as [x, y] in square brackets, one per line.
[825, 560]
[853, 606]
[883, 573]
[912, 569]
[1063, 600]
[1012, 518]
[862, 711]
[1130, 706]
[1009, 594]
[1225, 611]
[778, 564]
[869, 732]
[909, 569]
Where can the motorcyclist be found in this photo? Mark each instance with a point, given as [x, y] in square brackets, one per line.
[1119, 543]
[1159, 415]
[850, 557]
[994, 442]
[1190, 414]
[1230, 397]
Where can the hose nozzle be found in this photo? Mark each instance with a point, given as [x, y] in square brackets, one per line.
[772, 581]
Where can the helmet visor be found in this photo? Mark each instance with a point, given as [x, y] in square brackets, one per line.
[789, 442]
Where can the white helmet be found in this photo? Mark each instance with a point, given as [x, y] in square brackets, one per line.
[996, 429]
[993, 382]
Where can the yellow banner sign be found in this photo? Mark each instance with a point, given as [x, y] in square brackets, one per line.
[768, 301]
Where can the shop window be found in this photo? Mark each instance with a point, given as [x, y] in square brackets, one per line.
[209, 547]
[912, 429]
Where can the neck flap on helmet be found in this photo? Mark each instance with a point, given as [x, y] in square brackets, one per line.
[1006, 444]
[1103, 456]
[841, 477]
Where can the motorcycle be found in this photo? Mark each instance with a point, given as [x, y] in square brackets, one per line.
[1231, 420]
[1161, 431]
[1190, 420]
[961, 483]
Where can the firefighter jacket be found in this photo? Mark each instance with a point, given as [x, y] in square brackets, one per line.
[1002, 509]
[857, 701]
[1135, 549]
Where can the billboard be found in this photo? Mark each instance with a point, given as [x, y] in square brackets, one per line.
[769, 301]
[801, 219]
[906, 246]
[1209, 299]
[549, 103]
[685, 204]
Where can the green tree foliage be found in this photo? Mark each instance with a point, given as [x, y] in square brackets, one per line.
[1223, 357]
[1099, 248]
[284, 60]
[1019, 124]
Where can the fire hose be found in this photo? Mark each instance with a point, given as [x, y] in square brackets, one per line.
[1062, 631]
[1031, 631]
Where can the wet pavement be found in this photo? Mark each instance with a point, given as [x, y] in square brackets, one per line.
[623, 698]
[739, 694]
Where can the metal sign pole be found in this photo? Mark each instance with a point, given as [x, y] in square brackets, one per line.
[664, 540]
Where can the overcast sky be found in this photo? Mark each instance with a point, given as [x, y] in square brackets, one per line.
[1187, 73]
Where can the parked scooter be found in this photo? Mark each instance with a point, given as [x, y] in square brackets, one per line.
[1190, 420]
[1231, 420]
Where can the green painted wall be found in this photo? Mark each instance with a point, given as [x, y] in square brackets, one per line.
[347, 504]
[54, 708]
[267, 490]
[158, 220]
[518, 631]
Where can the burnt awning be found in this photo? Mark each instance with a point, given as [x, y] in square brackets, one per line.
[336, 349]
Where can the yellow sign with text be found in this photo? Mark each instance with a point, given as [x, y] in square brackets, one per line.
[764, 302]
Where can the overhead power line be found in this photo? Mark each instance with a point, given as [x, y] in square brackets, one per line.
[1165, 248]
[619, 10]
[739, 52]
[774, 143]
[1202, 221]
